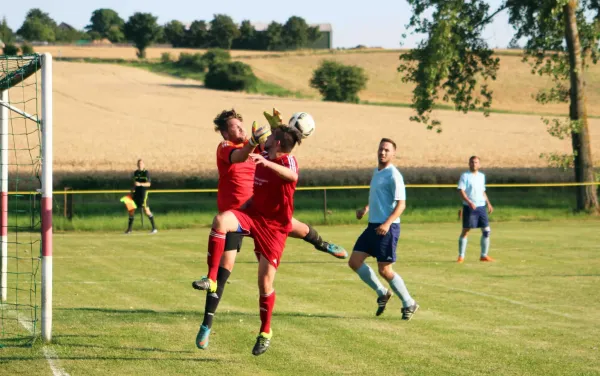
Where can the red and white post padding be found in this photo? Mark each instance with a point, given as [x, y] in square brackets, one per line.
[4, 116]
[46, 206]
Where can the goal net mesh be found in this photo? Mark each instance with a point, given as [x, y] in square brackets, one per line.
[20, 94]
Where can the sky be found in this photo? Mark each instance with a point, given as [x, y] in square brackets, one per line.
[374, 23]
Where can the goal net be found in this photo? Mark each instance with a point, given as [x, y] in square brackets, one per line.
[25, 198]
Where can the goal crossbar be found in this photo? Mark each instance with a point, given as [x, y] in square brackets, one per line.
[15, 73]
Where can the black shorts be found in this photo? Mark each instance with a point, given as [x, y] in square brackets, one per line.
[233, 240]
[141, 200]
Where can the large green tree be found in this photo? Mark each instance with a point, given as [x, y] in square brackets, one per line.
[454, 63]
[106, 23]
[6, 33]
[175, 33]
[272, 38]
[142, 30]
[38, 26]
[197, 35]
[222, 31]
[248, 37]
[295, 33]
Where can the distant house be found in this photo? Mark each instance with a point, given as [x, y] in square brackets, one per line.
[66, 27]
[325, 42]
[326, 39]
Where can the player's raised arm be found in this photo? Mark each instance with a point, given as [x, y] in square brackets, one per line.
[241, 155]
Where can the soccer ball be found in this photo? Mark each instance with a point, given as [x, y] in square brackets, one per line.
[303, 122]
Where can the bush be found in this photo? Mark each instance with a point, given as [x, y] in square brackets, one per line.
[232, 76]
[165, 57]
[10, 49]
[26, 49]
[338, 82]
[192, 61]
[216, 56]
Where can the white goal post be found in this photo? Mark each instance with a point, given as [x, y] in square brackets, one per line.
[15, 71]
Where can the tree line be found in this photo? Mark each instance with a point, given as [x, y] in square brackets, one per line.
[143, 29]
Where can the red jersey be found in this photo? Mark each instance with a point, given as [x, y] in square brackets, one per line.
[235, 179]
[273, 198]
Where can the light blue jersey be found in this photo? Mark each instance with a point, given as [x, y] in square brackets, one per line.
[387, 187]
[474, 187]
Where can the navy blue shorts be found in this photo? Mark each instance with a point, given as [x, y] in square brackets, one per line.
[475, 218]
[383, 248]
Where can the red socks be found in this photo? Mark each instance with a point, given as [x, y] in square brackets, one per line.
[266, 304]
[216, 247]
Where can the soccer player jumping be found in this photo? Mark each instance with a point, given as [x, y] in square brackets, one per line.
[236, 181]
[471, 188]
[387, 201]
[267, 218]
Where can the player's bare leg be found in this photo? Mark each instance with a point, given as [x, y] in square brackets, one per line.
[266, 277]
[310, 235]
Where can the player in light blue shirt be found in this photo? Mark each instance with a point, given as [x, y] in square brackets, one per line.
[387, 201]
[471, 188]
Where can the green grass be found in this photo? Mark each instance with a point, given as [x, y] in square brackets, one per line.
[124, 305]
[104, 212]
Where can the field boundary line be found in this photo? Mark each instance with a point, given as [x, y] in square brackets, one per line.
[49, 353]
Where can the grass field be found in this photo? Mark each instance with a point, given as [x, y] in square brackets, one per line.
[124, 305]
[104, 212]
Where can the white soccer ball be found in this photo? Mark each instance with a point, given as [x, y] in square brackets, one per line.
[303, 122]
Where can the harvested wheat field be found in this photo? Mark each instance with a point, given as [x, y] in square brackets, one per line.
[107, 116]
[126, 52]
[513, 89]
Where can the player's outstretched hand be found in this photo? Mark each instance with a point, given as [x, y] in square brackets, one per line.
[275, 119]
[258, 159]
[260, 133]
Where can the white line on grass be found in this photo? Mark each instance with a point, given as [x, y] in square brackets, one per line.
[52, 359]
[500, 298]
[49, 353]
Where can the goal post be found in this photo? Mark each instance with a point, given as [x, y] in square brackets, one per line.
[26, 196]
[46, 202]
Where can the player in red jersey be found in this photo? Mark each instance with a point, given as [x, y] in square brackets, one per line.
[236, 179]
[267, 218]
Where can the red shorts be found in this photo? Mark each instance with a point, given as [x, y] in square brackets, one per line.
[269, 240]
